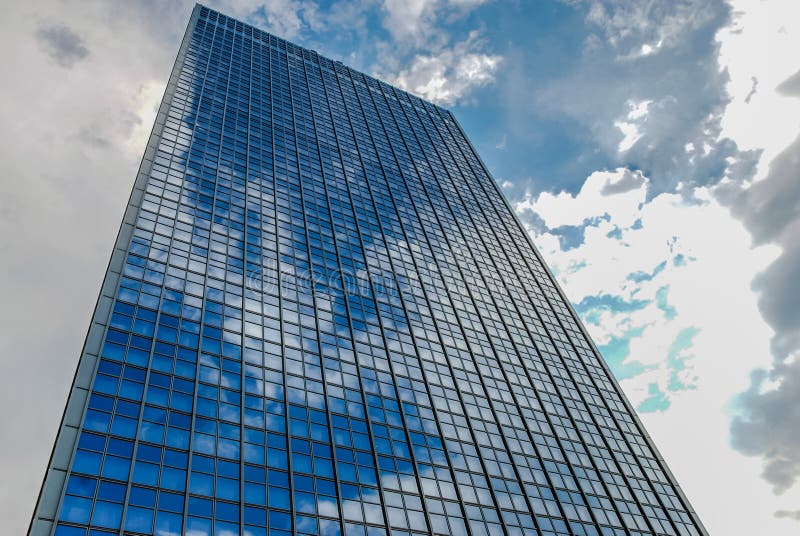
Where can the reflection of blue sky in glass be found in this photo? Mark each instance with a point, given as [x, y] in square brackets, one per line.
[329, 322]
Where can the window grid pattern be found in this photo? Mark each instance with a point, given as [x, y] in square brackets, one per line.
[427, 377]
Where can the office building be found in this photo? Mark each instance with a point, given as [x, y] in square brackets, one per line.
[321, 316]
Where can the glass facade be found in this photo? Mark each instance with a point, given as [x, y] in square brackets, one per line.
[322, 317]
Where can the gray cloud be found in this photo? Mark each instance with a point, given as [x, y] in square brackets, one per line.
[68, 166]
[663, 53]
[791, 86]
[769, 424]
[753, 89]
[643, 27]
[772, 426]
[771, 211]
[61, 44]
[788, 514]
[629, 181]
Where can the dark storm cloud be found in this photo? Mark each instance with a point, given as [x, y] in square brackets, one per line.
[769, 424]
[61, 44]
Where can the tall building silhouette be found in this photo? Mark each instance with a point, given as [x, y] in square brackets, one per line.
[321, 316]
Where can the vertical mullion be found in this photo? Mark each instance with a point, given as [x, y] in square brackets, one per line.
[313, 293]
[279, 285]
[243, 341]
[185, 516]
[219, 28]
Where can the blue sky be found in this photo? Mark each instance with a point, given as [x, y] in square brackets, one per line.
[651, 148]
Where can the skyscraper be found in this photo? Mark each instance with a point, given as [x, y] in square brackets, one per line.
[322, 317]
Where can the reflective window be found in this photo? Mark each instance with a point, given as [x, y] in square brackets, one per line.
[328, 321]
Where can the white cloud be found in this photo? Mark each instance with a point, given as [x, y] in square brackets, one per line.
[414, 21]
[760, 45]
[714, 292]
[147, 102]
[420, 58]
[449, 75]
[405, 19]
[591, 202]
[284, 18]
[648, 49]
[707, 273]
[630, 124]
